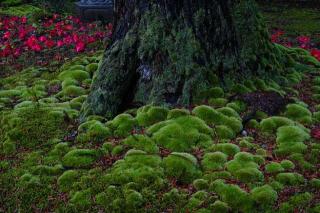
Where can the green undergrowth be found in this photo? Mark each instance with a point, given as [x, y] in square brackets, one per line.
[153, 159]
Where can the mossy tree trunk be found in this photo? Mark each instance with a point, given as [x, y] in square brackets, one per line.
[167, 52]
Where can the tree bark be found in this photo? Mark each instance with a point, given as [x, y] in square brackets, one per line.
[167, 52]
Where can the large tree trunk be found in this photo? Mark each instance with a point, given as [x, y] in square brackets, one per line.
[166, 52]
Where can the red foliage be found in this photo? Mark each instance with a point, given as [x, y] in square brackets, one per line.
[301, 41]
[56, 34]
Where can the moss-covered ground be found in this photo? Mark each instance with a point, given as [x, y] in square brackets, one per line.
[154, 159]
[216, 156]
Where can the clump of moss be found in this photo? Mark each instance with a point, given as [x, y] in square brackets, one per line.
[141, 142]
[82, 199]
[299, 113]
[73, 91]
[315, 183]
[246, 142]
[66, 180]
[290, 178]
[80, 158]
[175, 113]
[94, 131]
[244, 168]
[240, 89]
[273, 123]
[149, 115]
[182, 133]
[137, 167]
[117, 150]
[134, 199]
[238, 106]
[230, 112]
[297, 201]
[218, 102]
[214, 161]
[301, 161]
[8, 147]
[214, 117]
[43, 170]
[201, 184]
[274, 167]
[122, 125]
[212, 176]
[182, 166]
[265, 196]
[227, 148]
[233, 195]
[287, 164]
[214, 92]
[92, 68]
[78, 75]
[10, 93]
[290, 140]
[220, 207]
[33, 125]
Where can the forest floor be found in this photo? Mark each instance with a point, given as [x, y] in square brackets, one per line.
[154, 159]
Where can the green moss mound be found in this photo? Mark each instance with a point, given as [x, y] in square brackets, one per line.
[299, 113]
[290, 139]
[33, 125]
[182, 166]
[244, 168]
[149, 115]
[223, 119]
[181, 134]
[80, 158]
[122, 125]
